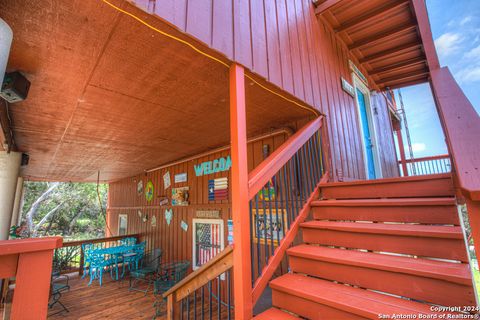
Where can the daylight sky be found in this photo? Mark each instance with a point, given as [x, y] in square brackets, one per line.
[456, 32]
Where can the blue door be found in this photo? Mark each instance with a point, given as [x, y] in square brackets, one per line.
[367, 138]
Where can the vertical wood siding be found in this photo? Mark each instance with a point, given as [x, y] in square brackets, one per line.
[284, 42]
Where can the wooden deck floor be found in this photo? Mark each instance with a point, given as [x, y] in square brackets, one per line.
[112, 300]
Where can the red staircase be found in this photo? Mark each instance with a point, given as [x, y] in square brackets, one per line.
[382, 247]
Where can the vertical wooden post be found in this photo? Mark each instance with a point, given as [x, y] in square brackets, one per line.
[398, 131]
[30, 299]
[242, 277]
[473, 209]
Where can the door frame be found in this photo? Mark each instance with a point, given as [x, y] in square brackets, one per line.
[360, 85]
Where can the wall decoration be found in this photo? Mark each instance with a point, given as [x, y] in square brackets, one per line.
[145, 218]
[168, 216]
[230, 232]
[164, 201]
[268, 192]
[209, 167]
[180, 177]
[140, 187]
[180, 196]
[357, 71]
[154, 221]
[208, 214]
[140, 214]
[149, 191]
[269, 225]
[218, 189]
[166, 180]
[208, 240]
[184, 226]
[347, 87]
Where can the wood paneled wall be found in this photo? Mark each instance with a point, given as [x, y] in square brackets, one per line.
[283, 42]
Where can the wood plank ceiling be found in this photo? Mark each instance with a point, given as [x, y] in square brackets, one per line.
[109, 94]
[384, 36]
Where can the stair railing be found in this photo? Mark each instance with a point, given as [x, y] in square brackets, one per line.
[461, 125]
[206, 292]
[280, 191]
[426, 165]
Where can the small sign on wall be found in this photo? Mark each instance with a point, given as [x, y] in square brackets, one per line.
[208, 214]
[181, 177]
[347, 87]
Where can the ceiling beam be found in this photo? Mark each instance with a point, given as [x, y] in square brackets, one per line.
[403, 77]
[398, 66]
[402, 84]
[383, 35]
[420, 11]
[375, 13]
[390, 52]
[324, 6]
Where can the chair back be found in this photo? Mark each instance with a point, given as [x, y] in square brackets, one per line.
[130, 241]
[139, 249]
[156, 259]
[87, 249]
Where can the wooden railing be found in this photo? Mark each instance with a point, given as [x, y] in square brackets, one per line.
[30, 262]
[205, 293]
[70, 257]
[426, 165]
[461, 125]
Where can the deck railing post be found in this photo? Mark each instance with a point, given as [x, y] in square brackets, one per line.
[242, 277]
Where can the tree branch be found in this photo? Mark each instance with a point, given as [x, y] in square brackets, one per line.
[44, 219]
[34, 208]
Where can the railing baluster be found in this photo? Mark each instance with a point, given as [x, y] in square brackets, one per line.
[229, 293]
[203, 303]
[219, 301]
[195, 305]
[257, 235]
[210, 300]
[275, 194]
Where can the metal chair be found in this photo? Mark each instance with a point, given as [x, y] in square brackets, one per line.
[98, 264]
[59, 284]
[133, 258]
[86, 248]
[147, 273]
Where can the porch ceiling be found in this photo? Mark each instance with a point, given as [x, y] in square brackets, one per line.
[110, 94]
[385, 36]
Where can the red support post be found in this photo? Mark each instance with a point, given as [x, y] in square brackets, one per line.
[242, 276]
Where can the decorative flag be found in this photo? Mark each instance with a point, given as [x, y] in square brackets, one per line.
[218, 189]
[209, 244]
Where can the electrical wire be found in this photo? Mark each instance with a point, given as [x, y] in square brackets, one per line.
[193, 47]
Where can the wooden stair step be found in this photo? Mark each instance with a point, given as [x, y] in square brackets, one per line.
[439, 185]
[444, 283]
[320, 299]
[444, 242]
[409, 210]
[274, 314]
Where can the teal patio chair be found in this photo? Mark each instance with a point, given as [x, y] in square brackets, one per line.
[86, 248]
[130, 241]
[98, 264]
[147, 273]
[134, 258]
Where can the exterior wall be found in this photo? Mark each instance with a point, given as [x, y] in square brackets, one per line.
[282, 41]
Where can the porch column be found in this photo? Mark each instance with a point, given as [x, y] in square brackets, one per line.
[17, 205]
[9, 170]
[398, 131]
[242, 276]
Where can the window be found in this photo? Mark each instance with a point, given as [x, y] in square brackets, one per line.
[208, 240]
[122, 224]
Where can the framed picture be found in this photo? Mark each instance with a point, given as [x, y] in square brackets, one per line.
[208, 240]
[180, 196]
[269, 225]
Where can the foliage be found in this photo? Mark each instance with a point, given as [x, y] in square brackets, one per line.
[71, 210]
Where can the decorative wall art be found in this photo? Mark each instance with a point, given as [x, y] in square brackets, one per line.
[184, 226]
[145, 218]
[154, 221]
[168, 216]
[164, 201]
[269, 225]
[180, 196]
[208, 240]
[149, 191]
[180, 177]
[209, 167]
[267, 193]
[166, 180]
[140, 214]
[140, 187]
[230, 232]
[208, 214]
[218, 189]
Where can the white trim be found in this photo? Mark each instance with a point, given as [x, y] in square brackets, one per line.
[126, 220]
[194, 231]
[359, 84]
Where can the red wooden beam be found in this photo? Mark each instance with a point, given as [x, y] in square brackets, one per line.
[265, 171]
[324, 6]
[383, 35]
[420, 11]
[373, 14]
[402, 77]
[398, 50]
[276, 259]
[242, 276]
[398, 66]
[439, 157]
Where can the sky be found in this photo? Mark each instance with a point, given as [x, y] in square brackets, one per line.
[456, 31]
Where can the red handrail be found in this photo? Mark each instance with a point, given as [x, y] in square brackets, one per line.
[438, 157]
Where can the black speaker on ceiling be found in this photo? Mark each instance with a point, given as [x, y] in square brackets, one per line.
[15, 87]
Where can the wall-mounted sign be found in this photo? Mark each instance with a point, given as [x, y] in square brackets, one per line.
[181, 177]
[164, 201]
[149, 191]
[230, 232]
[209, 167]
[166, 180]
[347, 87]
[180, 196]
[209, 214]
[168, 216]
[218, 189]
[184, 226]
[357, 71]
[140, 187]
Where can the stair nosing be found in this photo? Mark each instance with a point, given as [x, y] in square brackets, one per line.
[386, 202]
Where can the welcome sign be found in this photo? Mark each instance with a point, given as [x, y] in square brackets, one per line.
[209, 167]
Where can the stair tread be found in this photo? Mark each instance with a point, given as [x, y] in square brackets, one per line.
[442, 270]
[274, 313]
[440, 201]
[431, 177]
[418, 230]
[354, 300]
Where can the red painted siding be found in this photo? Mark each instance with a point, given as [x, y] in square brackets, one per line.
[284, 42]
